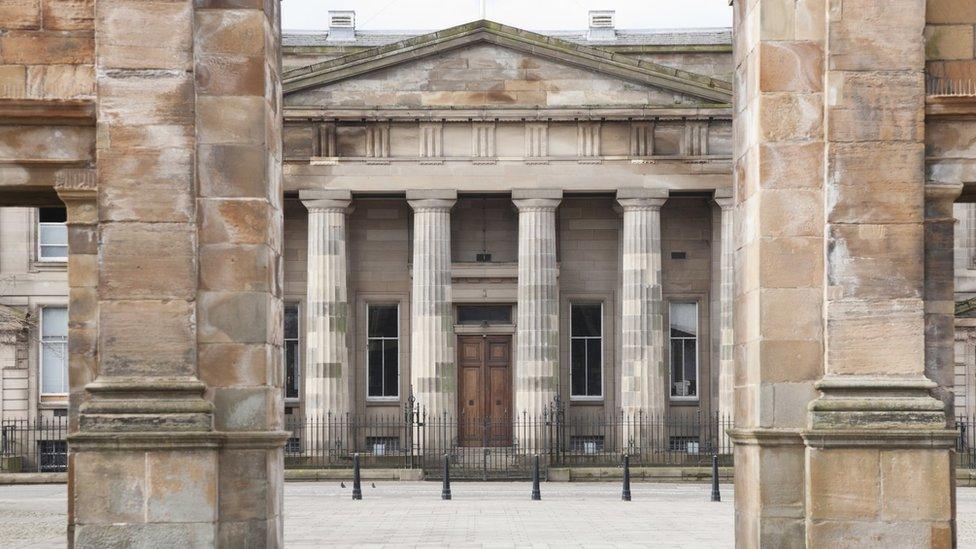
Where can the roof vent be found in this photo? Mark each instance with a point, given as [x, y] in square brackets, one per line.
[342, 26]
[601, 25]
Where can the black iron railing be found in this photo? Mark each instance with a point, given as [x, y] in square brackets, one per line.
[481, 448]
[33, 446]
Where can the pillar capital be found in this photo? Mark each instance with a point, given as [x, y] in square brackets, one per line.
[724, 198]
[537, 199]
[326, 200]
[431, 199]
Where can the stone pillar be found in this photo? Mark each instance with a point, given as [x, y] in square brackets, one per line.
[644, 378]
[537, 323]
[940, 306]
[779, 245]
[326, 373]
[178, 440]
[433, 372]
[724, 335]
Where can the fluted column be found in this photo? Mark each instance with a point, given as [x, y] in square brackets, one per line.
[644, 380]
[726, 372]
[537, 330]
[327, 305]
[433, 373]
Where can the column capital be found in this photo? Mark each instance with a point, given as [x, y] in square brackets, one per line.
[431, 199]
[639, 198]
[942, 191]
[325, 199]
[537, 199]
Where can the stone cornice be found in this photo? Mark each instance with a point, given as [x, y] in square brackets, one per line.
[47, 112]
[618, 65]
[955, 107]
[311, 113]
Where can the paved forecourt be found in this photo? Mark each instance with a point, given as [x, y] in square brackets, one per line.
[405, 514]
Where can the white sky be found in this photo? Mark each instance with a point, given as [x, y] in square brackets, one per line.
[528, 14]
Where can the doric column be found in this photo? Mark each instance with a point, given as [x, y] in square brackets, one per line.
[940, 314]
[433, 373]
[326, 371]
[726, 277]
[537, 323]
[644, 380]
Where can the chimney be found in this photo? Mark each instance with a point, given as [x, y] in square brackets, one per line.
[342, 26]
[601, 25]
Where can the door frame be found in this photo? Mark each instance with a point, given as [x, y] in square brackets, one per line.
[484, 336]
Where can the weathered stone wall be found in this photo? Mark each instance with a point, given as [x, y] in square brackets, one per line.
[47, 49]
[950, 47]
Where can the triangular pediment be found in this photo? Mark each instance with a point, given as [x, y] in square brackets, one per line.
[496, 51]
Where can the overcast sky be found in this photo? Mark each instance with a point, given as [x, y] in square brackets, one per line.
[529, 14]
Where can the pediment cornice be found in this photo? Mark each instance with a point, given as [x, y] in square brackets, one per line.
[613, 64]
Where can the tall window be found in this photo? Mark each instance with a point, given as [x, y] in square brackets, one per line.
[683, 337]
[52, 234]
[54, 350]
[586, 350]
[383, 356]
[293, 369]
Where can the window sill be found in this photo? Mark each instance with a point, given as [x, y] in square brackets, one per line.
[586, 401]
[382, 401]
[685, 401]
[39, 265]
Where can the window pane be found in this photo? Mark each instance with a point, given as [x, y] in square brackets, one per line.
[374, 366]
[54, 322]
[382, 321]
[594, 372]
[52, 215]
[54, 235]
[479, 314]
[390, 368]
[54, 357]
[291, 369]
[691, 366]
[578, 367]
[676, 361]
[586, 320]
[54, 252]
[684, 319]
[291, 322]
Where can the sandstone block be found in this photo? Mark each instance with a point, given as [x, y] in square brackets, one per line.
[776, 20]
[790, 116]
[69, 14]
[236, 317]
[234, 120]
[950, 11]
[228, 74]
[148, 261]
[860, 35]
[244, 475]
[238, 364]
[791, 213]
[791, 313]
[20, 14]
[902, 472]
[949, 42]
[232, 171]
[115, 487]
[234, 221]
[780, 257]
[13, 81]
[247, 268]
[844, 484]
[875, 261]
[145, 35]
[146, 185]
[876, 106]
[791, 361]
[875, 337]
[146, 99]
[238, 31]
[147, 338]
[863, 192]
[181, 486]
[46, 48]
[811, 19]
[869, 534]
[145, 535]
[791, 67]
[241, 408]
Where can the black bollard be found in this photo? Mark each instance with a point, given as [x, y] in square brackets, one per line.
[716, 496]
[357, 490]
[446, 489]
[536, 493]
[626, 493]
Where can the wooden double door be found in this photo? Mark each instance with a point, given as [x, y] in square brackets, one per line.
[485, 390]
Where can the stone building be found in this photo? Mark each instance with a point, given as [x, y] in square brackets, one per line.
[505, 184]
[206, 186]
